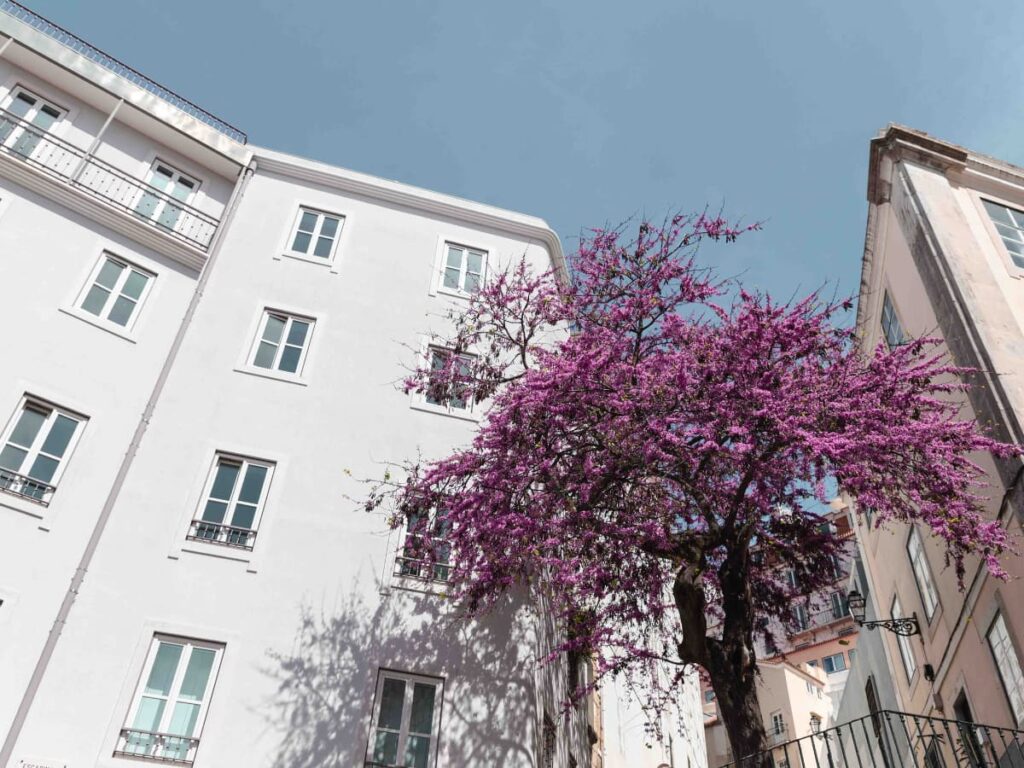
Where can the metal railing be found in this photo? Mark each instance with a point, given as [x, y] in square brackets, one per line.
[26, 487]
[218, 533]
[421, 568]
[55, 157]
[890, 739]
[91, 52]
[160, 747]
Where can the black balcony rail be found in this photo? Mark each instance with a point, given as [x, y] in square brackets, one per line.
[890, 739]
[158, 747]
[26, 487]
[91, 52]
[218, 533]
[55, 157]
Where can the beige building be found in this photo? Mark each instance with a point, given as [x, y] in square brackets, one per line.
[944, 257]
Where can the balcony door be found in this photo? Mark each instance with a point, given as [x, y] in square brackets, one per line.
[24, 121]
[167, 186]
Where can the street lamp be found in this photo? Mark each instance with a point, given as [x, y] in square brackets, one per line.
[901, 626]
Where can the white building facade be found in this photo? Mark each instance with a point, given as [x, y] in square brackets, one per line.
[211, 340]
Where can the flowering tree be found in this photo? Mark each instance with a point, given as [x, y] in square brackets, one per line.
[653, 456]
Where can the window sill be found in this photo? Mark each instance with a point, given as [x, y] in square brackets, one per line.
[309, 260]
[26, 507]
[103, 325]
[420, 586]
[232, 554]
[455, 294]
[418, 405]
[265, 373]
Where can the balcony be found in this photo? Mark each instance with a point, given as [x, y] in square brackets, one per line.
[158, 747]
[26, 487]
[890, 739]
[77, 169]
[778, 734]
[225, 535]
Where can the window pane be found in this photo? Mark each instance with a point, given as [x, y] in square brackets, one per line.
[252, 486]
[391, 698]
[998, 213]
[297, 333]
[308, 222]
[301, 242]
[224, 482]
[22, 104]
[474, 261]
[265, 355]
[60, 435]
[147, 717]
[417, 751]
[122, 310]
[46, 117]
[183, 721]
[164, 666]
[451, 277]
[290, 359]
[134, 284]
[472, 282]
[11, 457]
[385, 750]
[323, 247]
[274, 328]
[109, 273]
[95, 300]
[25, 431]
[454, 258]
[215, 511]
[330, 227]
[197, 674]
[422, 718]
[244, 516]
[43, 469]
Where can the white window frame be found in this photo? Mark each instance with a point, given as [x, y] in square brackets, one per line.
[320, 213]
[289, 318]
[778, 726]
[1008, 664]
[826, 661]
[442, 263]
[922, 574]
[41, 101]
[115, 292]
[30, 401]
[419, 399]
[410, 680]
[411, 568]
[1014, 261]
[906, 650]
[224, 533]
[889, 308]
[176, 176]
[175, 689]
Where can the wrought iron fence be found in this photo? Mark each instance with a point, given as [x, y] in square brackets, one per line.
[218, 533]
[91, 52]
[890, 739]
[32, 145]
[159, 747]
[26, 487]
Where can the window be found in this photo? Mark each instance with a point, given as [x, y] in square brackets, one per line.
[458, 399]
[463, 269]
[234, 499]
[922, 574]
[168, 189]
[1008, 664]
[833, 664]
[839, 604]
[933, 755]
[801, 618]
[709, 696]
[406, 721]
[809, 686]
[549, 736]
[1009, 223]
[170, 704]
[892, 331]
[778, 724]
[315, 235]
[35, 444]
[282, 342]
[906, 651]
[426, 553]
[115, 291]
[26, 119]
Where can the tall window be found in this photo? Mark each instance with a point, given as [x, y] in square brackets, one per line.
[906, 651]
[801, 618]
[115, 290]
[24, 121]
[426, 553]
[281, 342]
[1009, 223]
[233, 502]
[463, 268]
[458, 399]
[315, 235]
[1008, 664]
[168, 186]
[36, 444]
[778, 724]
[922, 574]
[167, 713]
[839, 604]
[406, 721]
[891, 328]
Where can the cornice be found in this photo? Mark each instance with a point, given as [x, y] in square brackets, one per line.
[394, 193]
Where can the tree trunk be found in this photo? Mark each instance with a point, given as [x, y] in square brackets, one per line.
[733, 673]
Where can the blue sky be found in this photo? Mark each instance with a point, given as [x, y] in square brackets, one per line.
[586, 112]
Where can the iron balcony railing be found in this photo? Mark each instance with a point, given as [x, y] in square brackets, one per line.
[159, 747]
[890, 739]
[91, 52]
[26, 487]
[73, 166]
[218, 533]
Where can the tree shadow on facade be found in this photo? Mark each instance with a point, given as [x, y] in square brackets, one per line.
[325, 683]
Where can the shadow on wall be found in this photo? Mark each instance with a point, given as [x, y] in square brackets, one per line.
[326, 682]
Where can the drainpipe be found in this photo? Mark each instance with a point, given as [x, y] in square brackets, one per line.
[78, 578]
